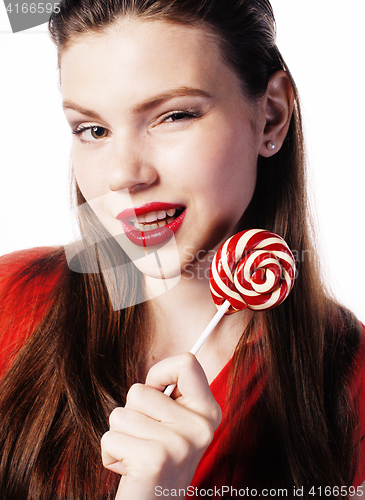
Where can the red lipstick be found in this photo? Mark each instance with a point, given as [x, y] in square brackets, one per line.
[153, 237]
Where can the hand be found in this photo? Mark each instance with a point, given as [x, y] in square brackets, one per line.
[156, 440]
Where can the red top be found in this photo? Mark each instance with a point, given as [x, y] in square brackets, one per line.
[32, 299]
[24, 303]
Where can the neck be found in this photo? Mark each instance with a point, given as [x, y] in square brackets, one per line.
[181, 313]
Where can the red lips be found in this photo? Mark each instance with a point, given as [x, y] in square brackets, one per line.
[153, 237]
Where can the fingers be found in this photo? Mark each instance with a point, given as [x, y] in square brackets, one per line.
[120, 452]
[151, 415]
[134, 423]
[170, 370]
[150, 402]
[155, 440]
[192, 391]
[145, 464]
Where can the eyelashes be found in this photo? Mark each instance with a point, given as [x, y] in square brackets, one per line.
[93, 133]
[175, 116]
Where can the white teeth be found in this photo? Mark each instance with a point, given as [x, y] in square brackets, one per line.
[141, 218]
[151, 216]
[161, 215]
[153, 220]
[148, 227]
[155, 216]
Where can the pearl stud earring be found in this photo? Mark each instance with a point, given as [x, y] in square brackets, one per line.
[271, 145]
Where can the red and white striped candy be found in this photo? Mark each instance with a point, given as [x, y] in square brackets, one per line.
[254, 269]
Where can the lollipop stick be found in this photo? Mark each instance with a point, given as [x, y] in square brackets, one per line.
[203, 337]
[208, 330]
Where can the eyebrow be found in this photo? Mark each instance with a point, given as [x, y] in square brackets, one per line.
[167, 96]
[75, 107]
[144, 105]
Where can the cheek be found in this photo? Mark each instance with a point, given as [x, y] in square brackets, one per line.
[224, 162]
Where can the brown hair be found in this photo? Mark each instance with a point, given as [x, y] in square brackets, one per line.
[84, 355]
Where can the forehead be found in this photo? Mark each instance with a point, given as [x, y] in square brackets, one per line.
[141, 56]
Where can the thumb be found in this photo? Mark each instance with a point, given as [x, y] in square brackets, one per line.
[192, 387]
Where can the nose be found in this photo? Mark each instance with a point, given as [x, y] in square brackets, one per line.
[129, 165]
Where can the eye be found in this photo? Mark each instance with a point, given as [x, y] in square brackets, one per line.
[176, 116]
[91, 133]
[98, 132]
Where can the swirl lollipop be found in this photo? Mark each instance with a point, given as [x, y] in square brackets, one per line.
[254, 269]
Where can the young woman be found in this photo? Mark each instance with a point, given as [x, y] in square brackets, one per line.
[182, 112]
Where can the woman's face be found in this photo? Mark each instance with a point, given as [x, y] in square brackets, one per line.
[162, 132]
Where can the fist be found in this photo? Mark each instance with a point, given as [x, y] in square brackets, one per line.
[156, 440]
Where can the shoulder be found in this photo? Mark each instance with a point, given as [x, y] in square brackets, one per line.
[28, 281]
[23, 259]
[29, 273]
[32, 269]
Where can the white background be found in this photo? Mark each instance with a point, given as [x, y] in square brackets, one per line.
[322, 42]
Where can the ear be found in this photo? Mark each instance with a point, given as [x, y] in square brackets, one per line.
[277, 108]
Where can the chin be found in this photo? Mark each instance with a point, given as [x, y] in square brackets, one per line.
[151, 267]
[159, 262]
